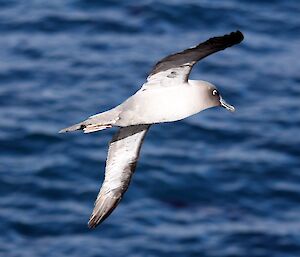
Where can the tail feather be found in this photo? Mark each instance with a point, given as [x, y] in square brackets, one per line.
[93, 128]
[96, 122]
[73, 128]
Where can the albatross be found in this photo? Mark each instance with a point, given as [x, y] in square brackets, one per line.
[167, 95]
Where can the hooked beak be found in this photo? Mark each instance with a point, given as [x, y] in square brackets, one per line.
[226, 105]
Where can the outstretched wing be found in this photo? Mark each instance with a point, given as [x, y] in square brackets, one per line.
[123, 153]
[179, 65]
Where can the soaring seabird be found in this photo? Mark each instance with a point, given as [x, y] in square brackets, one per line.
[167, 95]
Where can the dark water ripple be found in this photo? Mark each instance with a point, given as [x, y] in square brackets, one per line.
[215, 184]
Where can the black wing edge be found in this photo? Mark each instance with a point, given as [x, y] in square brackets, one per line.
[206, 48]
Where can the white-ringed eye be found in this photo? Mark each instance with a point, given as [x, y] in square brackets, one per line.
[215, 92]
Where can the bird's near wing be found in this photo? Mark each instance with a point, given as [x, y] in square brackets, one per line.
[178, 66]
[121, 161]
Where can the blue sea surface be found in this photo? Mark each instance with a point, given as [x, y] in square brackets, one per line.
[213, 185]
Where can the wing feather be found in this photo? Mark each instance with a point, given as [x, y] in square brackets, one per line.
[179, 65]
[121, 161]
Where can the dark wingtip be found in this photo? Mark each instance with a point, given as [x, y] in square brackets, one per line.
[95, 221]
[238, 36]
[92, 225]
[109, 204]
[228, 40]
[222, 42]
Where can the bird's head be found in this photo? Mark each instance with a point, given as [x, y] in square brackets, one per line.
[219, 100]
[212, 97]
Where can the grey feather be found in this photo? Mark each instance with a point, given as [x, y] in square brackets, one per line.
[123, 153]
[179, 65]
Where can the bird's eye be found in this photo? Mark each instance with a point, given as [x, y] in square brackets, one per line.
[215, 92]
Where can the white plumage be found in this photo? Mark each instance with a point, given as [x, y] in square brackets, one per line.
[167, 96]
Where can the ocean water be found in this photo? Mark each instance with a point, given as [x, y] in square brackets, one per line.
[213, 185]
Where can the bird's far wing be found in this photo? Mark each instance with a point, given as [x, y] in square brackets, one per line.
[121, 161]
[179, 65]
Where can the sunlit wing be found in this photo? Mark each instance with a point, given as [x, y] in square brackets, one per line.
[123, 153]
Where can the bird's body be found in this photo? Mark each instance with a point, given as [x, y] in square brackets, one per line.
[163, 104]
[167, 96]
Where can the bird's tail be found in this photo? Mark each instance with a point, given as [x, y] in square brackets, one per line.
[87, 128]
[74, 127]
[94, 123]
